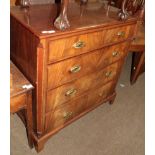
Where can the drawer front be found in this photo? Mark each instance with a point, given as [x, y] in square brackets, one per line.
[98, 95]
[64, 113]
[17, 103]
[71, 69]
[68, 47]
[73, 89]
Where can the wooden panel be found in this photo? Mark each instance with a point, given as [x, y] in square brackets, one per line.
[17, 103]
[73, 89]
[41, 18]
[23, 50]
[97, 96]
[64, 48]
[72, 109]
[60, 73]
[65, 113]
[18, 81]
[18, 94]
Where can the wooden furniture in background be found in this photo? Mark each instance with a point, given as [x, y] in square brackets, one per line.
[21, 99]
[127, 8]
[73, 71]
[138, 49]
[138, 45]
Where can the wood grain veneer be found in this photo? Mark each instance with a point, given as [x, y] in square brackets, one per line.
[60, 73]
[47, 58]
[64, 48]
[64, 113]
[59, 95]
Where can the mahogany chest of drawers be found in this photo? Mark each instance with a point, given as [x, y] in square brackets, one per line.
[73, 71]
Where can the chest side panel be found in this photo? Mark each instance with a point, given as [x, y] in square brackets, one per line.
[23, 50]
[28, 53]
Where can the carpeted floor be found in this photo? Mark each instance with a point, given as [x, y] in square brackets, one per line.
[107, 130]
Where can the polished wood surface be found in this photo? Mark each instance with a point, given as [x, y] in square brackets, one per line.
[21, 99]
[81, 64]
[97, 96]
[81, 85]
[101, 58]
[26, 60]
[19, 82]
[17, 103]
[72, 46]
[41, 24]
[66, 112]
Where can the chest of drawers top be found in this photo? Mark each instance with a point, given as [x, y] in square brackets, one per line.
[39, 20]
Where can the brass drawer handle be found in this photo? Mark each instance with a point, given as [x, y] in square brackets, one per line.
[79, 44]
[108, 74]
[67, 115]
[115, 53]
[71, 92]
[121, 34]
[75, 69]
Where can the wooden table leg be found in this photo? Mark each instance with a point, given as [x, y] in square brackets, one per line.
[29, 121]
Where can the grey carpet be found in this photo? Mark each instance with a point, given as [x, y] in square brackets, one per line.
[116, 129]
